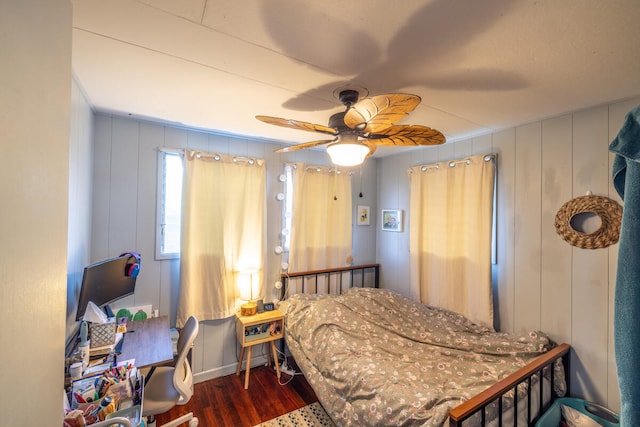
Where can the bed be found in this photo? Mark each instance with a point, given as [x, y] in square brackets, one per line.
[374, 357]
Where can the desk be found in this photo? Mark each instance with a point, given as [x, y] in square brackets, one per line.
[148, 342]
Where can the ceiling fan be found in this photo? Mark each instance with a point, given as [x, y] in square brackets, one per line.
[362, 126]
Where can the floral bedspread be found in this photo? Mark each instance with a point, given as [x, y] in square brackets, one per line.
[374, 357]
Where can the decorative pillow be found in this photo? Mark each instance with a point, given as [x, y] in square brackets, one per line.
[575, 418]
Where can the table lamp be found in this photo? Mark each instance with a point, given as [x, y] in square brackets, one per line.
[246, 283]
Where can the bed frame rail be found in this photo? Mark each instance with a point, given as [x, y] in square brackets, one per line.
[494, 393]
[335, 276]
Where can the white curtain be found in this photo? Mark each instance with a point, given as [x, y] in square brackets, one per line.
[222, 233]
[321, 220]
[451, 213]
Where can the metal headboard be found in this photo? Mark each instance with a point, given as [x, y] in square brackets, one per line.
[366, 275]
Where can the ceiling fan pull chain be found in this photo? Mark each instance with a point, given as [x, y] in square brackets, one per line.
[335, 177]
[360, 181]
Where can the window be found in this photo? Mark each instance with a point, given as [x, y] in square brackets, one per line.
[169, 201]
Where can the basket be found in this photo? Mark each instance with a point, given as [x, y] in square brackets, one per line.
[602, 415]
[132, 413]
[102, 334]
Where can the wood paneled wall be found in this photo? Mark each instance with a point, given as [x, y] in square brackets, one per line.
[124, 218]
[540, 282]
[80, 191]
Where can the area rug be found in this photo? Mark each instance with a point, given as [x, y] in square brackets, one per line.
[312, 415]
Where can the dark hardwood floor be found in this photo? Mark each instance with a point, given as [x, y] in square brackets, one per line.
[224, 401]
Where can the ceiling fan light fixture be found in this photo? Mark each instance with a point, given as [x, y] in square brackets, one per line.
[348, 153]
[362, 126]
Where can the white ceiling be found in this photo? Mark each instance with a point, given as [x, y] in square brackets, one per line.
[479, 66]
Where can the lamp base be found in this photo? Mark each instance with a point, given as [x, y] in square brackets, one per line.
[248, 309]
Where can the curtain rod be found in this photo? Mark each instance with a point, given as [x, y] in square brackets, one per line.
[215, 156]
[452, 163]
[328, 169]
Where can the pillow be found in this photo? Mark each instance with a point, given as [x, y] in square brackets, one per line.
[575, 418]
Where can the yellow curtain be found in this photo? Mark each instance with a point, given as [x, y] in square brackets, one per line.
[321, 220]
[451, 213]
[222, 233]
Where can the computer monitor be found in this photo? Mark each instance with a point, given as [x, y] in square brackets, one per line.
[107, 281]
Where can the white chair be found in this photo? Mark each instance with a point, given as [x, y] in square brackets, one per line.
[168, 386]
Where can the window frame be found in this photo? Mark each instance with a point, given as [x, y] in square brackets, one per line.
[160, 203]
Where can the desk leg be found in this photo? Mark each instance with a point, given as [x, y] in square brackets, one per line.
[240, 361]
[247, 371]
[275, 357]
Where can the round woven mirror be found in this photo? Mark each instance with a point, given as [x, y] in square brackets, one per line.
[608, 211]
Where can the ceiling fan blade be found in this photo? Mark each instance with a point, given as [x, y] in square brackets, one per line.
[403, 135]
[304, 145]
[374, 114]
[296, 124]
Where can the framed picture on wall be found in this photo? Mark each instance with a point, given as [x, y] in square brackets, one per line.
[364, 215]
[391, 220]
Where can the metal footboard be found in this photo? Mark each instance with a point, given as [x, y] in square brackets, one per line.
[479, 403]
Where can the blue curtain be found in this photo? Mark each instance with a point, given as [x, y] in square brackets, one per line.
[626, 179]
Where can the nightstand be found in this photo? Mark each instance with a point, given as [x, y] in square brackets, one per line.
[261, 328]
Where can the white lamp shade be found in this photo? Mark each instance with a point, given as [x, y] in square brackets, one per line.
[248, 284]
[347, 154]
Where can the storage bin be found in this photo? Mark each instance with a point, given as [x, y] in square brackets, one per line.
[133, 413]
[102, 334]
[598, 413]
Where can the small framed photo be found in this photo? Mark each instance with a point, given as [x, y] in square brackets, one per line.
[363, 215]
[391, 220]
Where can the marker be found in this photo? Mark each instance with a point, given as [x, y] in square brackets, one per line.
[103, 404]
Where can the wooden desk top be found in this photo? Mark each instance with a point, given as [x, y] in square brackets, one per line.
[148, 342]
